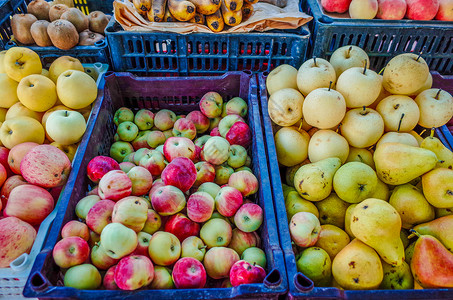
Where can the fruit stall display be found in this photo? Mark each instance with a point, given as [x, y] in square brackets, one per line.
[363, 202]
[153, 210]
[429, 30]
[42, 121]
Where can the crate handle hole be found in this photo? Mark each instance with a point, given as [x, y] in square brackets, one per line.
[265, 74]
[19, 263]
[248, 72]
[303, 283]
[38, 282]
[101, 44]
[273, 279]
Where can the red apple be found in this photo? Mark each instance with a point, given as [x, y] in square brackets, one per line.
[240, 240]
[134, 272]
[75, 228]
[99, 166]
[422, 9]
[228, 201]
[155, 138]
[100, 259]
[156, 184]
[181, 173]
[184, 128]
[200, 121]
[16, 237]
[189, 273]
[182, 227]
[3, 174]
[115, 185]
[164, 119]
[200, 207]
[143, 244]
[205, 173]
[168, 200]
[132, 212]
[338, 6]
[239, 134]
[154, 162]
[445, 12]
[242, 272]
[9, 185]
[100, 215]
[141, 141]
[4, 153]
[219, 268]
[178, 147]
[109, 279]
[17, 153]
[391, 9]
[245, 182]
[249, 217]
[141, 179]
[70, 251]
[215, 132]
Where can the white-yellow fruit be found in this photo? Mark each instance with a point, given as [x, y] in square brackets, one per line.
[76, 89]
[285, 107]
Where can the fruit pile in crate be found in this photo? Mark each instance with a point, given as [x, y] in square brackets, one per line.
[163, 206]
[43, 116]
[369, 201]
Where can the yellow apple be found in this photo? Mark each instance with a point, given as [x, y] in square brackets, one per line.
[400, 113]
[45, 72]
[62, 64]
[19, 109]
[2, 57]
[76, 89]
[283, 76]
[8, 91]
[66, 127]
[20, 62]
[69, 150]
[86, 111]
[398, 137]
[436, 107]
[285, 106]
[20, 130]
[37, 92]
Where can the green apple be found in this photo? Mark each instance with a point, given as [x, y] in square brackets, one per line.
[238, 156]
[294, 203]
[123, 114]
[217, 215]
[202, 140]
[83, 277]
[254, 255]
[118, 240]
[354, 182]
[164, 248]
[397, 278]
[237, 106]
[129, 158]
[119, 150]
[127, 131]
[85, 204]
[193, 247]
[315, 263]
[209, 187]
[162, 279]
[216, 233]
[222, 174]
[243, 168]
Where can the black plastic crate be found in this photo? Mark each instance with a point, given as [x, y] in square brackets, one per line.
[381, 39]
[180, 95]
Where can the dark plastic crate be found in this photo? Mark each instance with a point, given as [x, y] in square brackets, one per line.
[86, 54]
[172, 54]
[300, 286]
[180, 95]
[382, 39]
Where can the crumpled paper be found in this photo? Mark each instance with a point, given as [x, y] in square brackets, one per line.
[264, 17]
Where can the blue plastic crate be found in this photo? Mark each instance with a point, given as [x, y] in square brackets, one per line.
[180, 95]
[172, 54]
[86, 54]
[445, 83]
[381, 39]
[300, 286]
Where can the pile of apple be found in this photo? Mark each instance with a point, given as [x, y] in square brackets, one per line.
[392, 9]
[166, 202]
[360, 182]
[35, 159]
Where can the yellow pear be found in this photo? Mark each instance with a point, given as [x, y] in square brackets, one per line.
[347, 57]
[315, 73]
[398, 137]
[357, 267]
[3, 112]
[295, 203]
[438, 187]
[63, 63]
[436, 107]
[8, 91]
[444, 155]
[20, 62]
[381, 191]
[20, 130]
[362, 127]
[324, 108]
[417, 137]
[2, 57]
[376, 223]
[291, 145]
[285, 106]
[291, 171]
[442, 212]
[361, 155]
[400, 113]
[347, 220]
[332, 210]
[440, 229]
[398, 163]
[332, 239]
[286, 189]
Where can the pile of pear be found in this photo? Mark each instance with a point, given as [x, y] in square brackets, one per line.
[381, 194]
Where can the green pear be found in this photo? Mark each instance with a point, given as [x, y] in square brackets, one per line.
[295, 203]
[286, 189]
[444, 155]
[332, 210]
[409, 252]
[377, 223]
[398, 163]
[361, 155]
[438, 187]
[315, 263]
[332, 239]
[291, 171]
[354, 182]
[381, 191]
[412, 206]
[314, 181]
[441, 229]
[404, 235]
[357, 267]
[397, 278]
[442, 212]
[347, 220]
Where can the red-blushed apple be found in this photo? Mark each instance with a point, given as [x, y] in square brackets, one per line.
[132, 212]
[156, 138]
[143, 244]
[240, 240]
[164, 119]
[99, 215]
[237, 106]
[133, 272]
[200, 207]
[29, 203]
[4, 153]
[141, 179]
[70, 251]
[144, 119]
[245, 182]
[182, 227]
[254, 255]
[445, 12]
[228, 200]
[239, 134]
[139, 154]
[154, 162]
[227, 122]
[85, 204]
[194, 247]
[126, 166]
[184, 128]
[209, 187]
[249, 217]
[17, 153]
[46, 166]
[83, 277]
[242, 272]
[129, 158]
[118, 240]
[3, 174]
[338, 6]
[304, 228]
[75, 228]
[205, 173]
[422, 9]
[16, 237]
[215, 132]
[216, 150]
[211, 104]
[156, 184]
[153, 222]
[168, 200]
[99, 166]
[216, 233]
[181, 173]
[94, 191]
[178, 147]
[115, 185]
[162, 279]
[141, 140]
[164, 248]
[109, 279]
[200, 121]
[189, 273]
[100, 259]
[391, 9]
[219, 268]
[197, 156]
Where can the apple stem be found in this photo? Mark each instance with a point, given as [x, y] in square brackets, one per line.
[314, 59]
[338, 128]
[399, 124]
[66, 113]
[364, 69]
[419, 56]
[438, 93]
[330, 85]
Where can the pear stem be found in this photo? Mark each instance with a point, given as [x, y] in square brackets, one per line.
[450, 193]
[399, 124]
[432, 132]
[330, 85]
[364, 69]
[338, 128]
[419, 56]
[423, 131]
[413, 233]
[437, 95]
[314, 59]
[381, 71]
[349, 51]
[300, 125]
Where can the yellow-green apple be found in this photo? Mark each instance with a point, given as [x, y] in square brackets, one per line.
[211, 104]
[182, 227]
[71, 84]
[132, 212]
[216, 233]
[249, 217]
[327, 143]
[219, 268]
[362, 127]
[94, 238]
[83, 277]
[155, 138]
[189, 273]
[216, 150]
[214, 123]
[144, 119]
[445, 12]
[9, 185]
[119, 150]
[16, 237]
[162, 278]
[200, 121]
[153, 222]
[399, 112]
[37, 92]
[154, 162]
[133, 272]
[338, 6]
[164, 119]
[315, 73]
[238, 106]
[20, 130]
[129, 158]
[118, 240]
[205, 173]
[200, 207]
[291, 145]
[8, 91]
[348, 56]
[70, 251]
[75, 228]
[254, 256]
[181, 173]
[64, 63]
[397, 137]
[123, 114]
[421, 9]
[437, 187]
[240, 240]
[99, 166]
[143, 244]
[85, 204]
[223, 173]
[168, 200]
[108, 281]
[66, 127]
[242, 272]
[202, 140]
[100, 215]
[228, 200]
[237, 157]
[209, 187]
[239, 134]
[193, 247]
[164, 248]
[100, 259]
[391, 9]
[354, 182]
[126, 166]
[227, 122]
[304, 228]
[141, 140]
[179, 147]
[115, 185]
[69, 150]
[141, 179]
[363, 9]
[127, 131]
[167, 133]
[324, 108]
[245, 182]
[20, 62]
[436, 107]
[17, 153]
